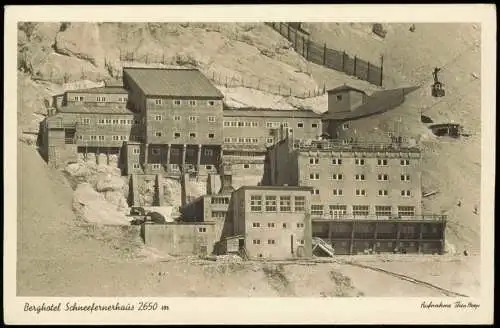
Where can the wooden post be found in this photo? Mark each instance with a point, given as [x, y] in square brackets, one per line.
[355, 60]
[343, 61]
[381, 69]
[368, 72]
[324, 55]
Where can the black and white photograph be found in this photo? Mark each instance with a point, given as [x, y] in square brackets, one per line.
[275, 158]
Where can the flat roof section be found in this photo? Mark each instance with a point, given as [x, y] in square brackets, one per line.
[169, 82]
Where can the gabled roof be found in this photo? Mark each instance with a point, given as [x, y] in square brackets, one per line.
[169, 82]
[109, 90]
[343, 88]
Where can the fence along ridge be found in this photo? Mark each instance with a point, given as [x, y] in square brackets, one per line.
[231, 80]
[320, 54]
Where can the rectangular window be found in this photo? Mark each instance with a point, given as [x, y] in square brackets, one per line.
[300, 225]
[360, 192]
[158, 134]
[314, 161]
[256, 224]
[317, 210]
[101, 138]
[192, 135]
[227, 139]
[300, 125]
[285, 204]
[300, 203]
[338, 210]
[158, 117]
[359, 161]
[337, 192]
[177, 102]
[177, 135]
[405, 162]
[208, 167]
[383, 210]
[269, 125]
[270, 202]
[137, 151]
[405, 177]
[256, 241]
[115, 121]
[211, 103]
[192, 102]
[382, 177]
[192, 118]
[382, 162]
[101, 99]
[315, 192]
[86, 120]
[211, 135]
[234, 124]
[211, 119]
[269, 140]
[116, 138]
[271, 241]
[136, 166]
[227, 124]
[360, 210]
[158, 101]
[219, 200]
[337, 161]
[122, 99]
[78, 98]
[177, 118]
[383, 192]
[80, 137]
[108, 121]
[124, 138]
[337, 176]
[284, 226]
[202, 229]
[208, 152]
[256, 203]
[406, 211]
[405, 193]
[360, 177]
[246, 166]
[241, 124]
[255, 124]
[270, 224]
[314, 125]
[314, 176]
[156, 166]
[345, 126]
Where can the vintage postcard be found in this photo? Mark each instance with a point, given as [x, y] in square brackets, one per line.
[249, 164]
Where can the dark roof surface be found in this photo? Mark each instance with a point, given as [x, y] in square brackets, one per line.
[172, 82]
[269, 112]
[344, 88]
[110, 89]
[108, 109]
[377, 103]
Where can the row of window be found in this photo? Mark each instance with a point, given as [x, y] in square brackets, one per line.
[178, 134]
[271, 203]
[190, 102]
[103, 138]
[243, 140]
[359, 161]
[362, 192]
[380, 210]
[269, 125]
[359, 177]
[210, 119]
[273, 242]
[100, 99]
[272, 225]
[108, 121]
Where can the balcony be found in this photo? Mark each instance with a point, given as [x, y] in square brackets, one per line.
[350, 217]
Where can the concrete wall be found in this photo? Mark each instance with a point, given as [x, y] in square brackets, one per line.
[180, 239]
[349, 101]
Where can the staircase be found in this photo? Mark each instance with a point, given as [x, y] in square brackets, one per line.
[318, 242]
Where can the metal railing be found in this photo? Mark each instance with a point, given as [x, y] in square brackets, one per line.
[359, 146]
[351, 217]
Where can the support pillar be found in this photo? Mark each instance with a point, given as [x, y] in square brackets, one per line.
[375, 237]
[198, 160]
[420, 238]
[168, 157]
[398, 234]
[183, 156]
[330, 233]
[146, 153]
[351, 246]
